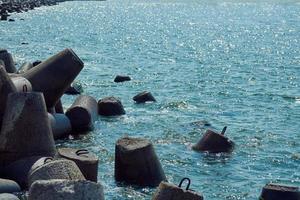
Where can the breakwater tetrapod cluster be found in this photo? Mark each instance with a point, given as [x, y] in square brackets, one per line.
[32, 118]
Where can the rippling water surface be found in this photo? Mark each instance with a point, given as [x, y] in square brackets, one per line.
[228, 63]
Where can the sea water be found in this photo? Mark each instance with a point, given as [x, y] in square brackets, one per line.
[209, 64]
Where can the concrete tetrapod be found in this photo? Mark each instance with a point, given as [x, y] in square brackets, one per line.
[8, 61]
[25, 67]
[59, 108]
[58, 189]
[167, 191]
[213, 142]
[54, 169]
[8, 186]
[82, 114]
[18, 170]
[54, 76]
[21, 84]
[279, 192]
[143, 97]
[2, 64]
[6, 87]
[26, 129]
[110, 106]
[60, 124]
[85, 160]
[7, 196]
[136, 163]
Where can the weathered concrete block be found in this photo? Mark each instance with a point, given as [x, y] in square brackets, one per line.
[213, 142]
[136, 162]
[279, 192]
[8, 60]
[85, 160]
[6, 87]
[7, 196]
[21, 84]
[167, 191]
[66, 190]
[54, 169]
[8, 186]
[82, 114]
[25, 117]
[25, 67]
[110, 106]
[18, 170]
[60, 124]
[54, 76]
[59, 108]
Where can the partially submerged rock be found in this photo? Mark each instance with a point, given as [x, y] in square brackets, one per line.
[110, 106]
[214, 142]
[144, 97]
[121, 78]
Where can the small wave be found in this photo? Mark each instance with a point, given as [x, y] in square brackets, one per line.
[176, 105]
[291, 98]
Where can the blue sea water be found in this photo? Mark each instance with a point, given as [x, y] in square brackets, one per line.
[230, 63]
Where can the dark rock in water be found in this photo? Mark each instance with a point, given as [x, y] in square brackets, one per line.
[8, 186]
[280, 192]
[143, 97]
[213, 142]
[82, 114]
[75, 88]
[66, 190]
[37, 62]
[120, 78]
[18, 170]
[85, 160]
[7, 196]
[136, 163]
[54, 169]
[110, 106]
[167, 191]
[11, 20]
